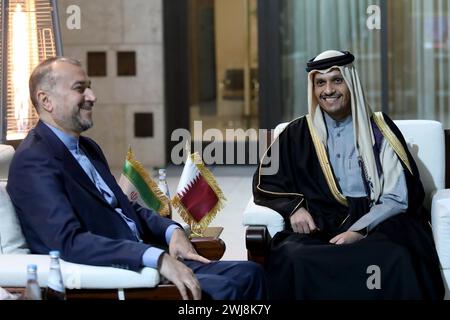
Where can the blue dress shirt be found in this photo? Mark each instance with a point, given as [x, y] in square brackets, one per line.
[151, 256]
[344, 161]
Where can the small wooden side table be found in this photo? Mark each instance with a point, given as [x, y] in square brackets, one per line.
[209, 245]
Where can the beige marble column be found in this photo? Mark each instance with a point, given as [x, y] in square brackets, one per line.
[122, 25]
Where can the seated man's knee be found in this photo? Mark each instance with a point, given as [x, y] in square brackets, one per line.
[252, 280]
[251, 267]
[220, 287]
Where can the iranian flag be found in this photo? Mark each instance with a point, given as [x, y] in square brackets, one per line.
[198, 197]
[139, 187]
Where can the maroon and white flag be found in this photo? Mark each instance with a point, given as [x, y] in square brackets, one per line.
[198, 197]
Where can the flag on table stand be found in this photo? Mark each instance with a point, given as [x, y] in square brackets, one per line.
[139, 187]
[198, 197]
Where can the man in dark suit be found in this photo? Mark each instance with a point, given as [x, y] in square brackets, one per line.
[67, 199]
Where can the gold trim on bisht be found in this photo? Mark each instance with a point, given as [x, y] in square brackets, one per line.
[325, 164]
[260, 165]
[278, 193]
[392, 139]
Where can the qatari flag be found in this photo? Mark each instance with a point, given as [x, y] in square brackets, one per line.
[198, 197]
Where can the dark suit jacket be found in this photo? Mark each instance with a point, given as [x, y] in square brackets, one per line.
[59, 208]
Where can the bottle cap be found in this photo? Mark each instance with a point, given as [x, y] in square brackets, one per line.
[162, 172]
[32, 267]
[54, 254]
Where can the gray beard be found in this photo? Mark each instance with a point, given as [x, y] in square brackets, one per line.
[79, 125]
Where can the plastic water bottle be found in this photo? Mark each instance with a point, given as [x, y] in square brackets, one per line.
[55, 284]
[164, 187]
[32, 290]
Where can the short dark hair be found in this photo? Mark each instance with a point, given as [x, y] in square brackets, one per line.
[43, 76]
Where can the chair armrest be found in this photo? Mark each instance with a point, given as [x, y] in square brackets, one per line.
[257, 239]
[76, 276]
[262, 223]
[258, 215]
[440, 221]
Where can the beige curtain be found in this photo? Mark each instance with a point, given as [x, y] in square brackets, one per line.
[419, 70]
[312, 26]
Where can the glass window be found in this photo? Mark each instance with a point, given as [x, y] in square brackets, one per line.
[223, 65]
[419, 45]
[416, 62]
[312, 26]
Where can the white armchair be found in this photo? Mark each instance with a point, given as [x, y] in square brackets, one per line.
[426, 143]
[82, 281]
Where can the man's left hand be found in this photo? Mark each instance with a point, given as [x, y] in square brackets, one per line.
[347, 237]
[181, 247]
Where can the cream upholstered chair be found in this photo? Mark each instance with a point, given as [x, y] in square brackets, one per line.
[426, 143]
[82, 281]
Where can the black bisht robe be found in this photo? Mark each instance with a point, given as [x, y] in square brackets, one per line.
[306, 266]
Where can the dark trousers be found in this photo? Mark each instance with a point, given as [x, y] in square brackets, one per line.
[230, 280]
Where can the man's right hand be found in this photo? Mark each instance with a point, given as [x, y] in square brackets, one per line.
[302, 221]
[181, 276]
